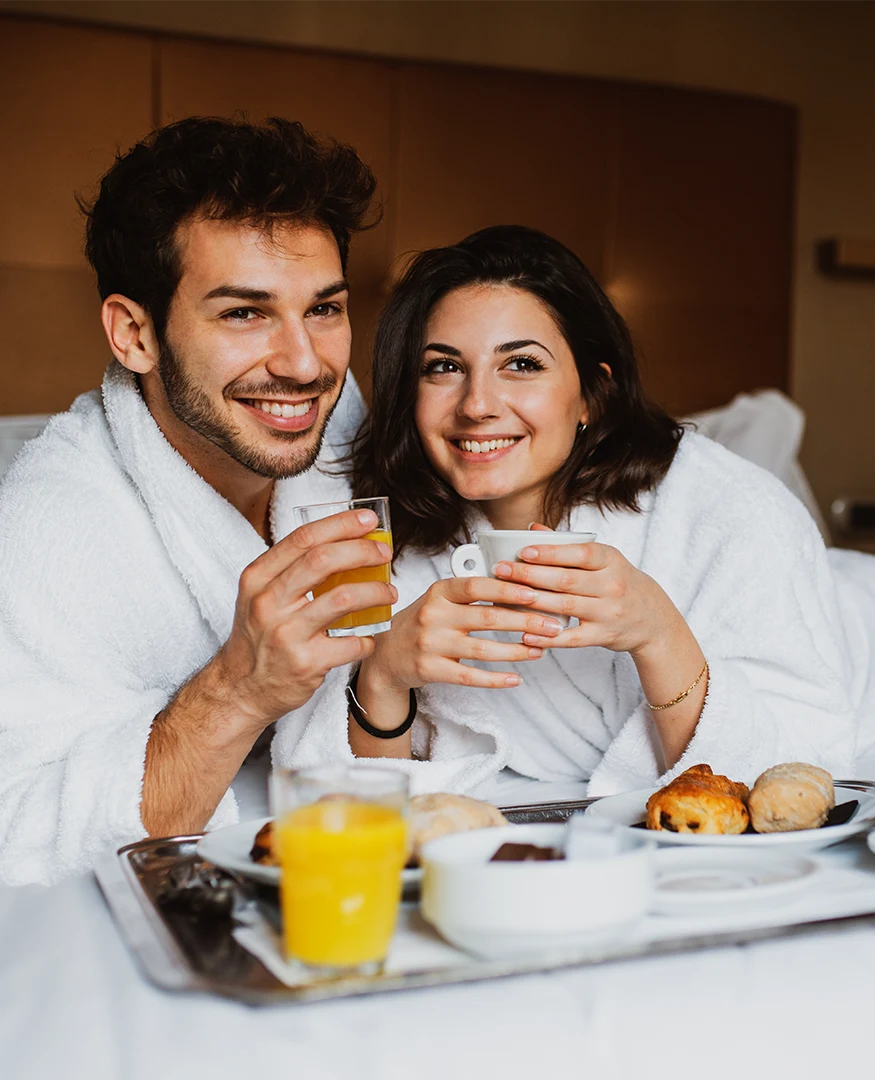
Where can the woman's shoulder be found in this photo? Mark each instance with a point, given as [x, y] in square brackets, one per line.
[705, 479]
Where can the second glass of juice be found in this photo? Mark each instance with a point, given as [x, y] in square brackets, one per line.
[341, 839]
[368, 621]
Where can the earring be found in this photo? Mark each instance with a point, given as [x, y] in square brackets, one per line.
[581, 428]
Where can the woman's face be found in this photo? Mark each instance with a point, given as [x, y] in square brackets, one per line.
[499, 399]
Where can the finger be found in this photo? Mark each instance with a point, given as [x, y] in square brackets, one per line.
[474, 590]
[451, 671]
[558, 579]
[320, 563]
[477, 617]
[590, 556]
[343, 600]
[583, 636]
[348, 525]
[537, 527]
[494, 652]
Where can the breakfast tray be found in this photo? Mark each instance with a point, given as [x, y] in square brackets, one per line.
[182, 917]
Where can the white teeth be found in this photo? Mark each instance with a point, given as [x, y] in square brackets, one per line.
[484, 447]
[275, 409]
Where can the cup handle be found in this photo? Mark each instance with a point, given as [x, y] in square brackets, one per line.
[467, 561]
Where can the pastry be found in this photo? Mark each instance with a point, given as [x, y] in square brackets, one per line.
[791, 796]
[430, 816]
[439, 814]
[262, 848]
[698, 801]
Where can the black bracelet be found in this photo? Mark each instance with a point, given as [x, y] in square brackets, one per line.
[358, 714]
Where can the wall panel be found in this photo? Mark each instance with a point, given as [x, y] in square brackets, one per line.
[71, 95]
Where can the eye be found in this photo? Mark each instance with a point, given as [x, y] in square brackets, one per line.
[321, 311]
[524, 364]
[241, 315]
[443, 366]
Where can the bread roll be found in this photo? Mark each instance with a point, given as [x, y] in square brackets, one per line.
[698, 801]
[791, 796]
[439, 814]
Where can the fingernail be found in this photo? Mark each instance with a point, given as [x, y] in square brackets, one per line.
[529, 553]
[523, 594]
[394, 591]
[367, 517]
[551, 626]
[502, 569]
[535, 653]
[384, 549]
[512, 680]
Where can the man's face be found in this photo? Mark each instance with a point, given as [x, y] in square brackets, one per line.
[256, 347]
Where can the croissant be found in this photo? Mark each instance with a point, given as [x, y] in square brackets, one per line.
[791, 796]
[699, 801]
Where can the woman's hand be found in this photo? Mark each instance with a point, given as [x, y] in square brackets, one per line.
[625, 610]
[429, 638]
[619, 607]
[426, 643]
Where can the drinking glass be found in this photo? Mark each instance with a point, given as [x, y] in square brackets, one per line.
[368, 621]
[341, 840]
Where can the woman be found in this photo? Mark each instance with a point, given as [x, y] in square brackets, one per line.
[506, 395]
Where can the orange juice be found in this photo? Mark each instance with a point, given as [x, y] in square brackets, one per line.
[341, 880]
[368, 616]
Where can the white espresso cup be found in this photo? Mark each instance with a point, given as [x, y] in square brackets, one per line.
[504, 545]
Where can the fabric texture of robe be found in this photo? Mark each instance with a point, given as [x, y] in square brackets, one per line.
[119, 569]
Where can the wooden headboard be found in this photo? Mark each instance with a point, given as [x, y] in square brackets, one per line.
[681, 202]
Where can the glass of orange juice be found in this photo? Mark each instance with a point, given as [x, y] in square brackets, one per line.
[368, 621]
[341, 840]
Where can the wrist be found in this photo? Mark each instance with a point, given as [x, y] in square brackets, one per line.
[227, 695]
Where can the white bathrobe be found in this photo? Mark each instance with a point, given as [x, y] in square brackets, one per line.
[119, 569]
[744, 562]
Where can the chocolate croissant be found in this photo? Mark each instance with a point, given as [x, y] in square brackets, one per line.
[698, 801]
[791, 796]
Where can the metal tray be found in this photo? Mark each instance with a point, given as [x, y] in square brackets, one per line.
[182, 951]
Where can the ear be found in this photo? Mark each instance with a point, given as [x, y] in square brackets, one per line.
[584, 408]
[130, 333]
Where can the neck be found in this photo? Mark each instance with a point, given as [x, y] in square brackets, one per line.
[246, 491]
[515, 511]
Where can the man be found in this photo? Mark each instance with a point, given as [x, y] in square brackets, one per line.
[154, 619]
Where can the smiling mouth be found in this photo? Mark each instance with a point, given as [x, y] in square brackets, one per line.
[485, 446]
[284, 409]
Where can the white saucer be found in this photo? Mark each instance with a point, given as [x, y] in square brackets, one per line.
[229, 848]
[698, 882]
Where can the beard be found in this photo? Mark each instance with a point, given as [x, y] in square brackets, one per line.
[295, 451]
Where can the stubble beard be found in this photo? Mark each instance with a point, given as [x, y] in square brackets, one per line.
[193, 407]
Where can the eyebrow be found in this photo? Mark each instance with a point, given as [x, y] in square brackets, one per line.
[507, 347]
[512, 346]
[261, 296]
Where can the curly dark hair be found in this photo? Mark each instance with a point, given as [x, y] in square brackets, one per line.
[627, 447]
[260, 174]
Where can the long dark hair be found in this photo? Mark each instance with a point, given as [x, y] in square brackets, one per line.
[626, 448]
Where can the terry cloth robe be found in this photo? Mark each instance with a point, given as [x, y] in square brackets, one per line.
[119, 569]
[743, 561]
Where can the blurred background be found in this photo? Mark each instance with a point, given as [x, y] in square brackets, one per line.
[694, 154]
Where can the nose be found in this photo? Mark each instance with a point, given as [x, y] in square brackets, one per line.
[292, 355]
[479, 399]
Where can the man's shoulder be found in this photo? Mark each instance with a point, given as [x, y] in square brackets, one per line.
[69, 477]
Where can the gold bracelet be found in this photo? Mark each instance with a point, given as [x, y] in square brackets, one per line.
[686, 693]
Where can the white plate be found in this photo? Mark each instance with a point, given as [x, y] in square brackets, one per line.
[230, 847]
[630, 809]
[698, 882]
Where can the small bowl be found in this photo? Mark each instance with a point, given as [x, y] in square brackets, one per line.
[516, 908]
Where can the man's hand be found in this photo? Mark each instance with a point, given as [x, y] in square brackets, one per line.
[273, 661]
[278, 653]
